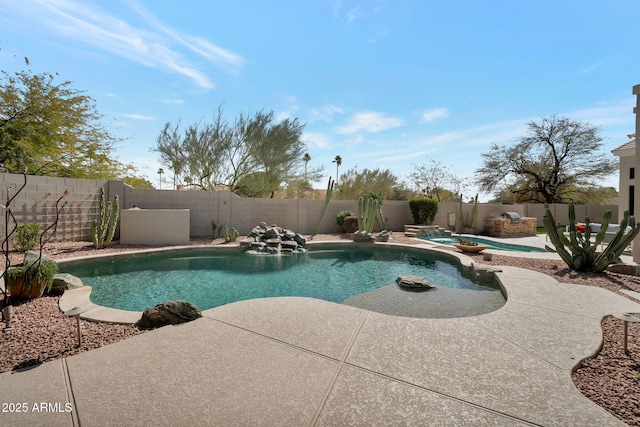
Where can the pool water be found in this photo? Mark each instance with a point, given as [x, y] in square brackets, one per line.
[211, 278]
[450, 240]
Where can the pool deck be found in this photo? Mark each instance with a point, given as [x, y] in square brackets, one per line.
[301, 361]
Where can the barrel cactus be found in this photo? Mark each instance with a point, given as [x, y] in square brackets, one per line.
[577, 249]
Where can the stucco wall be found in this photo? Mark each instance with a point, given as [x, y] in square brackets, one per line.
[36, 204]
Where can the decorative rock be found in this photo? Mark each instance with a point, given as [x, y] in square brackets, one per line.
[486, 273]
[64, 281]
[414, 283]
[383, 236]
[289, 244]
[272, 240]
[32, 256]
[362, 236]
[301, 241]
[168, 313]
[350, 224]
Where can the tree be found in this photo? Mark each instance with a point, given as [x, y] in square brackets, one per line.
[306, 159]
[254, 156]
[51, 128]
[338, 162]
[435, 180]
[355, 183]
[558, 161]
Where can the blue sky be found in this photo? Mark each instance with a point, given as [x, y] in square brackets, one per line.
[383, 84]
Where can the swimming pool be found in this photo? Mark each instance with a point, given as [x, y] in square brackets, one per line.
[450, 240]
[211, 278]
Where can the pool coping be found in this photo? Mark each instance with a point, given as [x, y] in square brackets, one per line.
[81, 296]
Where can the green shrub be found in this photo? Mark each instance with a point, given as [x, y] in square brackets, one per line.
[41, 273]
[423, 210]
[340, 218]
[27, 236]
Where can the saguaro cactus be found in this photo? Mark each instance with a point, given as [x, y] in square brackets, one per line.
[104, 227]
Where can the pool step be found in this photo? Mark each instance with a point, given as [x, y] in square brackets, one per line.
[412, 230]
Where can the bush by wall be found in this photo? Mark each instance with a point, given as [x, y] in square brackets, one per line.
[423, 210]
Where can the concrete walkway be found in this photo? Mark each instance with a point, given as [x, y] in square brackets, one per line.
[305, 362]
[299, 361]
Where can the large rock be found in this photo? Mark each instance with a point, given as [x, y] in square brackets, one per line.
[64, 281]
[350, 224]
[272, 240]
[32, 256]
[168, 313]
[414, 283]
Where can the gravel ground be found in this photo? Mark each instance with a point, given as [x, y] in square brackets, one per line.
[611, 378]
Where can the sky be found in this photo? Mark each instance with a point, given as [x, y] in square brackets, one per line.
[383, 84]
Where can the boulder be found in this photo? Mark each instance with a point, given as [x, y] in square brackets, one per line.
[64, 281]
[350, 224]
[414, 283]
[168, 313]
[32, 256]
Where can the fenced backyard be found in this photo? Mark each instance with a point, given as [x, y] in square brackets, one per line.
[37, 204]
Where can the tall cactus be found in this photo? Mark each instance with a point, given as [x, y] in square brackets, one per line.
[327, 199]
[578, 251]
[104, 227]
[367, 210]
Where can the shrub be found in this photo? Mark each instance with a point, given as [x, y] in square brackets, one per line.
[27, 236]
[423, 210]
[340, 218]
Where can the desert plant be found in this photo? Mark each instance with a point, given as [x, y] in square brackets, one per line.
[26, 238]
[230, 236]
[216, 229]
[577, 250]
[464, 219]
[31, 278]
[340, 218]
[367, 210]
[423, 210]
[327, 199]
[466, 242]
[104, 227]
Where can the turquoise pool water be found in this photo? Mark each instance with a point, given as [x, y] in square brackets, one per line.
[211, 278]
[450, 240]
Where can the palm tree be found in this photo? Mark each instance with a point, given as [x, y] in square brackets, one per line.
[338, 162]
[306, 159]
[160, 172]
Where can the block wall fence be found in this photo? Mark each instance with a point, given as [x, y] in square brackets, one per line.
[36, 203]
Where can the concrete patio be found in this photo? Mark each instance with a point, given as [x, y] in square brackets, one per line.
[300, 361]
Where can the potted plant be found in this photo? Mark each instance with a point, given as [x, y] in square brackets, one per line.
[30, 279]
[469, 246]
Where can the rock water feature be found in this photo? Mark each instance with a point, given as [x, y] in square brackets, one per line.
[272, 240]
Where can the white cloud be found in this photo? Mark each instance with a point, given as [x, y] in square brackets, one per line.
[318, 139]
[138, 116]
[369, 121]
[176, 101]
[90, 25]
[324, 114]
[436, 113]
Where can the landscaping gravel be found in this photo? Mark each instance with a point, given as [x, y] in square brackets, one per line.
[611, 379]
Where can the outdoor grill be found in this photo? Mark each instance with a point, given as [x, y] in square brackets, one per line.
[513, 216]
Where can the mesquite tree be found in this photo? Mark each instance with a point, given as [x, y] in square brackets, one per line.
[556, 162]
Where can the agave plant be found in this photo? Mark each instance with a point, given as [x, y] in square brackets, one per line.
[578, 251]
